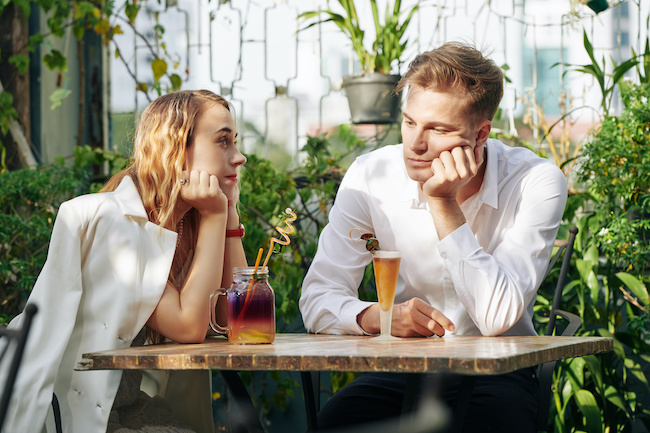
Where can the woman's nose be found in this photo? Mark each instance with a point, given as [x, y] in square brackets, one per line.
[239, 158]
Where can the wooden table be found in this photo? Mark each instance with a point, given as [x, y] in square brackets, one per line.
[466, 355]
[318, 352]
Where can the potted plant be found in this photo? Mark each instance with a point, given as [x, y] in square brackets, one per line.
[596, 5]
[370, 94]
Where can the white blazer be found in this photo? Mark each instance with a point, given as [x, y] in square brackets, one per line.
[105, 272]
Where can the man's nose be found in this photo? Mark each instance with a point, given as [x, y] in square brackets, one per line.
[418, 142]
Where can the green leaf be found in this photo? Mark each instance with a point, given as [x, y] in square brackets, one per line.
[636, 287]
[612, 395]
[131, 10]
[54, 60]
[21, 62]
[590, 410]
[176, 81]
[23, 4]
[159, 68]
[598, 73]
[593, 364]
[35, 39]
[57, 97]
[637, 371]
[621, 69]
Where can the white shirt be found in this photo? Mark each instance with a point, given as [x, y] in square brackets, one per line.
[484, 276]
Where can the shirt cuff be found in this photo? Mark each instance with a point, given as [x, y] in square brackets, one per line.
[457, 246]
[349, 315]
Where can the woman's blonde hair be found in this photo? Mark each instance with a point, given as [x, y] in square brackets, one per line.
[162, 136]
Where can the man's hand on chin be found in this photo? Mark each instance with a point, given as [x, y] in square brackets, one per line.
[452, 170]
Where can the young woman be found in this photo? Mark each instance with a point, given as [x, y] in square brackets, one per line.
[144, 254]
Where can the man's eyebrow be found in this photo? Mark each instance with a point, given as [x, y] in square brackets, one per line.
[431, 124]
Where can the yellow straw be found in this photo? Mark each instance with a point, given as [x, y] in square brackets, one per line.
[284, 233]
[257, 261]
[249, 292]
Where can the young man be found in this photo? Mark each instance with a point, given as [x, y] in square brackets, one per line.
[475, 221]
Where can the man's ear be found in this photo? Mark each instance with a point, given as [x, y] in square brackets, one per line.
[483, 132]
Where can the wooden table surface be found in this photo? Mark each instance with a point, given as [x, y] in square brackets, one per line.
[315, 352]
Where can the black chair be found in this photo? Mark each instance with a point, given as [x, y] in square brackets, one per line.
[545, 371]
[14, 339]
[311, 379]
[247, 419]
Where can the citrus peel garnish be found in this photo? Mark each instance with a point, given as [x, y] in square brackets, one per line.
[372, 244]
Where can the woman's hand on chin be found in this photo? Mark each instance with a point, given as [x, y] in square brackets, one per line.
[202, 191]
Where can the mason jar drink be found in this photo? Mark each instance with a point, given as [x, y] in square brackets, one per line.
[251, 307]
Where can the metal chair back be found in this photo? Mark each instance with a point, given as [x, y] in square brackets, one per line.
[545, 371]
[13, 340]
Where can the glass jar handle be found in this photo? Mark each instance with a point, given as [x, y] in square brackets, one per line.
[214, 324]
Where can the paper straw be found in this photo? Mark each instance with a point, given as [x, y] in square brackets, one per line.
[257, 261]
[249, 292]
[284, 233]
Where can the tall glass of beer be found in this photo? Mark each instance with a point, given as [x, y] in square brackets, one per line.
[386, 266]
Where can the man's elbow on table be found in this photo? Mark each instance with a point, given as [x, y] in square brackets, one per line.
[494, 328]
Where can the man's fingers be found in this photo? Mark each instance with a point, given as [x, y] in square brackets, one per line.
[427, 320]
[442, 320]
[423, 330]
[471, 159]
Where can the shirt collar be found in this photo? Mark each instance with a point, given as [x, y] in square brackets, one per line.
[412, 193]
[488, 193]
[129, 199]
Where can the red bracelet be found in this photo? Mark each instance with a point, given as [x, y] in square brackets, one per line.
[237, 233]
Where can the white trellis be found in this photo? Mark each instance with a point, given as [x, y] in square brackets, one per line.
[285, 84]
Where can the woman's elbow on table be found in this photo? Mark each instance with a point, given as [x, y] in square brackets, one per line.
[192, 337]
[188, 334]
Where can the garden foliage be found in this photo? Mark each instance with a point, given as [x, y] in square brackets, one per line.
[610, 204]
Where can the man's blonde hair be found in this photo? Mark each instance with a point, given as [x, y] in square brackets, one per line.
[459, 66]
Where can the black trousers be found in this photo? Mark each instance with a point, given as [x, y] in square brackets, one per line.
[505, 403]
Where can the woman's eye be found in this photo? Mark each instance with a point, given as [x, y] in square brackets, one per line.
[224, 141]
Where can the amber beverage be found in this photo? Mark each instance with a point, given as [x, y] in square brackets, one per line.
[386, 266]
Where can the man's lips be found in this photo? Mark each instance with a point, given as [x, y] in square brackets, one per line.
[419, 163]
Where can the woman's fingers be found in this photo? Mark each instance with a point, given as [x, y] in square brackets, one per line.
[201, 190]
